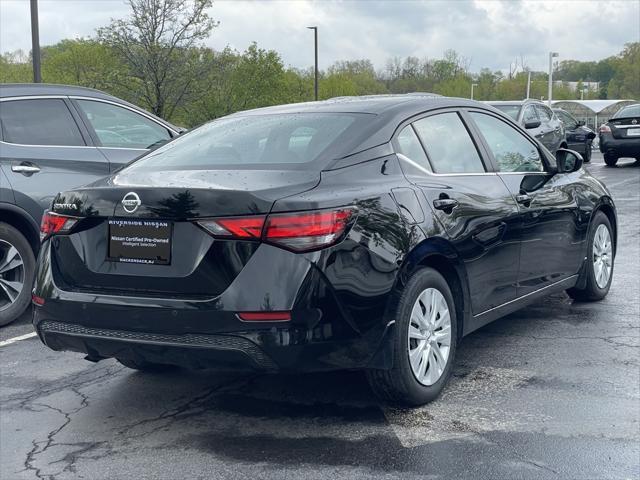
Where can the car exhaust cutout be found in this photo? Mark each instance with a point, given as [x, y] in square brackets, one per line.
[295, 231]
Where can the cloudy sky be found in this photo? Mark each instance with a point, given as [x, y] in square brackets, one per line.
[488, 33]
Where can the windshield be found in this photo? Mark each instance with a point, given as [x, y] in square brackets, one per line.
[630, 111]
[511, 110]
[293, 139]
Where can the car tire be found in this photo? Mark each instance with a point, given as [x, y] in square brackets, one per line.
[400, 385]
[610, 160]
[587, 154]
[143, 366]
[595, 288]
[17, 268]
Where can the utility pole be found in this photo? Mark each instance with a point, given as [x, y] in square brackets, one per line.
[472, 87]
[528, 84]
[551, 57]
[35, 42]
[315, 42]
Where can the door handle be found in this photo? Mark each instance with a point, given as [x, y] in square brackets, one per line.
[445, 204]
[25, 169]
[524, 199]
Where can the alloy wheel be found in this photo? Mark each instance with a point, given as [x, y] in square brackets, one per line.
[429, 336]
[602, 256]
[12, 274]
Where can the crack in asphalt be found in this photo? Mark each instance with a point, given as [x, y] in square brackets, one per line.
[182, 411]
[38, 447]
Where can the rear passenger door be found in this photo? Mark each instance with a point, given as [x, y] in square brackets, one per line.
[552, 237]
[44, 150]
[473, 205]
[551, 130]
[121, 133]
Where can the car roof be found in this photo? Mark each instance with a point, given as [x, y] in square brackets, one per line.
[8, 90]
[405, 104]
[514, 102]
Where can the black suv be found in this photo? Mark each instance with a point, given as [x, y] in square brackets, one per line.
[538, 119]
[579, 137]
[52, 138]
[620, 136]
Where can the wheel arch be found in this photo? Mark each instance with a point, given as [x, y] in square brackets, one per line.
[607, 207]
[439, 254]
[23, 222]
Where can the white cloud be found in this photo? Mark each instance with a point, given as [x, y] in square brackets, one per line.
[489, 33]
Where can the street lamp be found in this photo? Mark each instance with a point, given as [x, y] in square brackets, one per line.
[35, 42]
[315, 42]
[551, 57]
[472, 86]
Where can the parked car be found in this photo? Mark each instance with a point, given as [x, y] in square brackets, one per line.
[579, 136]
[53, 138]
[620, 136]
[538, 119]
[364, 233]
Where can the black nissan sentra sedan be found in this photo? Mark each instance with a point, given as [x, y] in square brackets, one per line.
[358, 233]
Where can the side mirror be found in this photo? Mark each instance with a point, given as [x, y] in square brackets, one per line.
[568, 161]
[581, 123]
[532, 124]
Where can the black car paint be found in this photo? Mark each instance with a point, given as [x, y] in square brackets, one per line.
[617, 142]
[579, 136]
[342, 298]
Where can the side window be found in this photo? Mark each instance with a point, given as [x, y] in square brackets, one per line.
[410, 147]
[39, 122]
[544, 113]
[529, 115]
[512, 151]
[119, 127]
[448, 144]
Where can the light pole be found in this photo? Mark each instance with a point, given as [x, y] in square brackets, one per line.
[528, 83]
[472, 87]
[551, 57]
[35, 42]
[315, 42]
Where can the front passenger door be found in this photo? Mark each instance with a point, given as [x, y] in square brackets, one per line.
[552, 240]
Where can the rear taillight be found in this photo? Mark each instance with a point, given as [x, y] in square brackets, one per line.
[305, 231]
[297, 231]
[53, 223]
[249, 228]
[605, 129]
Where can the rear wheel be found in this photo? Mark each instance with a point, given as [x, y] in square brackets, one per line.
[17, 266]
[610, 160]
[587, 153]
[599, 266]
[425, 342]
[143, 366]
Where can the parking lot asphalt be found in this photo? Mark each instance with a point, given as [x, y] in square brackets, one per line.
[551, 391]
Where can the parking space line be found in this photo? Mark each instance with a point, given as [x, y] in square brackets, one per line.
[17, 339]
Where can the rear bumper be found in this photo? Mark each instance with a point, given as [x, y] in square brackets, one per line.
[620, 147]
[329, 329]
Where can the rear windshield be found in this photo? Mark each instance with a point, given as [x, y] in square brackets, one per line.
[630, 111]
[511, 110]
[290, 140]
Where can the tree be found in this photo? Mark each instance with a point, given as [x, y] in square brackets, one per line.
[158, 44]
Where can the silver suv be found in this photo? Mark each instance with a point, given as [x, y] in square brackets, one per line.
[538, 119]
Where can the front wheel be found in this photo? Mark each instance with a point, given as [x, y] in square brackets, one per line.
[599, 266]
[610, 160]
[424, 342]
